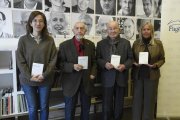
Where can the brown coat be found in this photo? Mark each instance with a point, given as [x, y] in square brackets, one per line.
[157, 54]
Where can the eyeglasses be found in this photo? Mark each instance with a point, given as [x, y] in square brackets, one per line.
[60, 19]
[107, 0]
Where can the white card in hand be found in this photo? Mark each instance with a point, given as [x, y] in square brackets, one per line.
[83, 60]
[37, 69]
[143, 57]
[115, 60]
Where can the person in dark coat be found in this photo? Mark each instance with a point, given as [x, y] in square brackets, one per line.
[76, 76]
[114, 76]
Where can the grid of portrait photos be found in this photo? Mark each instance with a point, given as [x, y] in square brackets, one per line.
[62, 14]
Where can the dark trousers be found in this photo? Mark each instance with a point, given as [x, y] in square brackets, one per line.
[145, 96]
[70, 104]
[113, 102]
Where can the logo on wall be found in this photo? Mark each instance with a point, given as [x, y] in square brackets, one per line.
[174, 26]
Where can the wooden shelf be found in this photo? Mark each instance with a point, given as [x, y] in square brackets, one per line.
[6, 71]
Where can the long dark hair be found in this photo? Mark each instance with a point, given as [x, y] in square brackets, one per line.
[29, 28]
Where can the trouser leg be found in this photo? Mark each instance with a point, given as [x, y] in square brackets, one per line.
[137, 100]
[150, 91]
[118, 102]
[107, 105]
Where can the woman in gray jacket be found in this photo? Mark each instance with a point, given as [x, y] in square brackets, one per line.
[36, 57]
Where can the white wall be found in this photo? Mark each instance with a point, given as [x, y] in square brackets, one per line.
[169, 86]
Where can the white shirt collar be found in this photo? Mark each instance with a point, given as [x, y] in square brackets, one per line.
[37, 39]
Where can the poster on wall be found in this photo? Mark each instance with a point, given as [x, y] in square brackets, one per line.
[83, 6]
[20, 19]
[104, 7]
[95, 13]
[58, 23]
[126, 10]
[6, 23]
[62, 6]
[101, 25]
[157, 29]
[127, 28]
[28, 4]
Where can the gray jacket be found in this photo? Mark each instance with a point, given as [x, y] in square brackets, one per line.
[29, 51]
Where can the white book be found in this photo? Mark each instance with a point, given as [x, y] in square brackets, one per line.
[83, 60]
[143, 57]
[37, 69]
[115, 60]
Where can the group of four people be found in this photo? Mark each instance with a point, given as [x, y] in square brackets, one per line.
[37, 50]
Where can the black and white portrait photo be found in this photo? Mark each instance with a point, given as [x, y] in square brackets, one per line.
[58, 23]
[106, 7]
[157, 29]
[127, 26]
[157, 8]
[144, 8]
[126, 7]
[83, 6]
[62, 15]
[6, 23]
[57, 5]
[20, 19]
[28, 4]
[5, 3]
[101, 25]
[87, 19]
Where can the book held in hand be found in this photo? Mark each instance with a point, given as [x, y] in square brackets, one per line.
[115, 60]
[83, 60]
[37, 69]
[143, 57]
